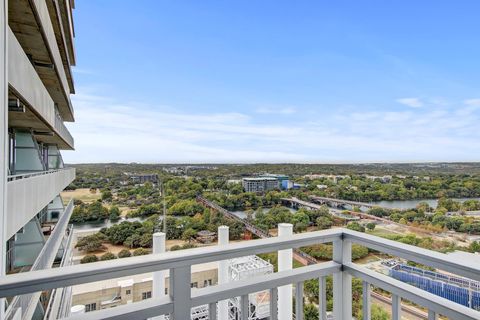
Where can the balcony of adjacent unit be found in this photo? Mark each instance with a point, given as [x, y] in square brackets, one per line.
[341, 285]
[30, 103]
[61, 15]
[55, 252]
[31, 23]
[29, 193]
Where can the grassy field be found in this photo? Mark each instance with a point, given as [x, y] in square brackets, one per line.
[81, 194]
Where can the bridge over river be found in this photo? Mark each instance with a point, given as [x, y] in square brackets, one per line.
[298, 255]
[340, 203]
[297, 203]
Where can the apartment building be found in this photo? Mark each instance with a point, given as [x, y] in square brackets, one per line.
[260, 184]
[36, 56]
[115, 292]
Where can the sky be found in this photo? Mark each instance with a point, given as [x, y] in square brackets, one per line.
[276, 81]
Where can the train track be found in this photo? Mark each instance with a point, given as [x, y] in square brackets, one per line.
[298, 255]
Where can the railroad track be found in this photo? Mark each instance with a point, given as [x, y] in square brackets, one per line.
[298, 255]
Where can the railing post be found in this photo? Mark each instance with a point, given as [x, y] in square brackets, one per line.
[159, 246]
[299, 301]
[244, 307]
[180, 292]
[273, 304]
[366, 305]
[396, 307]
[342, 281]
[212, 311]
[322, 298]
[223, 239]
[285, 309]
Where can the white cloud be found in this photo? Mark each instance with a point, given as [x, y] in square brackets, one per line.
[472, 102]
[106, 130]
[278, 110]
[411, 102]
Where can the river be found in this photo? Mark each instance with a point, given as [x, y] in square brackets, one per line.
[410, 204]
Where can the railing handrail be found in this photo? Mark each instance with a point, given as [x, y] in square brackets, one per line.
[16, 284]
[34, 174]
[181, 261]
[424, 256]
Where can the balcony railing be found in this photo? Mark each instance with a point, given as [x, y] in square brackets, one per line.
[62, 130]
[46, 257]
[181, 298]
[29, 193]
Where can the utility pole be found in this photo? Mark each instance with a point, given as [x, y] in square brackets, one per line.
[164, 210]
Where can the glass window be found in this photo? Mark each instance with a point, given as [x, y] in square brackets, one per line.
[146, 295]
[90, 307]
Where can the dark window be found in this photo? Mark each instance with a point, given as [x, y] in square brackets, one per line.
[90, 307]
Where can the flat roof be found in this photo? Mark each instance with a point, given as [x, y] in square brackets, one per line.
[130, 280]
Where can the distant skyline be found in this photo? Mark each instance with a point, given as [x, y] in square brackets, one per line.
[276, 81]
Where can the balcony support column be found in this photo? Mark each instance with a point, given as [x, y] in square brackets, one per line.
[285, 309]
[3, 140]
[432, 315]
[159, 246]
[223, 239]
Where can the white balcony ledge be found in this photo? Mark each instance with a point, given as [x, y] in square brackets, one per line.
[29, 193]
[182, 298]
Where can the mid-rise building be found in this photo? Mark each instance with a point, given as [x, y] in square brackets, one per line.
[36, 56]
[115, 292]
[260, 184]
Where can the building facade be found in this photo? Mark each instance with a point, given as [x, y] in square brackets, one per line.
[36, 56]
[260, 184]
[116, 292]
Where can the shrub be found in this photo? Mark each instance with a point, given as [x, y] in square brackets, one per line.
[108, 256]
[140, 252]
[124, 253]
[89, 258]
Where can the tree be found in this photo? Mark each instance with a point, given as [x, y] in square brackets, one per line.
[114, 213]
[89, 258]
[107, 196]
[324, 222]
[370, 226]
[91, 243]
[124, 253]
[108, 256]
[189, 234]
[355, 226]
[310, 312]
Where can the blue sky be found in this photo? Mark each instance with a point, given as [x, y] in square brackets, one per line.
[276, 81]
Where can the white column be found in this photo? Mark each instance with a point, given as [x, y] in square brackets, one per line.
[223, 239]
[342, 281]
[396, 307]
[158, 288]
[3, 140]
[285, 309]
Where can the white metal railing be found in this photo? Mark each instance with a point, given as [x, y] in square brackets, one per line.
[181, 298]
[34, 174]
[61, 298]
[62, 130]
[27, 302]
